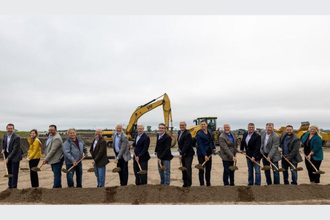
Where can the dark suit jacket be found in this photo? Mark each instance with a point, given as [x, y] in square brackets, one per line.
[163, 147]
[185, 144]
[99, 154]
[141, 147]
[15, 151]
[253, 147]
[294, 145]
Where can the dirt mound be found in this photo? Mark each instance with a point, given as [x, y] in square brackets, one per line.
[153, 194]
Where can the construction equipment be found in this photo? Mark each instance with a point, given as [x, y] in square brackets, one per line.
[7, 175]
[211, 125]
[201, 166]
[273, 165]
[316, 170]
[293, 167]
[130, 130]
[302, 129]
[72, 167]
[255, 162]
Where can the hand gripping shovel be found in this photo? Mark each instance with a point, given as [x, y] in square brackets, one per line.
[274, 166]
[71, 168]
[255, 162]
[316, 170]
[201, 166]
[182, 168]
[7, 175]
[293, 167]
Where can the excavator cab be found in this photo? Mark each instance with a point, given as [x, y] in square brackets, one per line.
[211, 122]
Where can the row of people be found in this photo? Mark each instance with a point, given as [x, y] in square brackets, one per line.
[267, 147]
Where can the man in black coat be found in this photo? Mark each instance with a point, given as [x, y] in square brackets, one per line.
[164, 155]
[141, 155]
[11, 149]
[251, 143]
[187, 153]
[98, 151]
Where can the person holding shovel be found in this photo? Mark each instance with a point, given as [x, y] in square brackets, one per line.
[33, 156]
[228, 150]
[74, 149]
[164, 154]
[205, 148]
[98, 151]
[141, 156]
[270, 143]
[312, 143]
[290, 144]
[250, 143]
[54, 154]
[186, 153]
[12, 152]
[120, 146]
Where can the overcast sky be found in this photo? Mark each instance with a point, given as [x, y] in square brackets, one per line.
[93, 71]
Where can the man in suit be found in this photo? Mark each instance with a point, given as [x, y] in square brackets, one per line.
[228, 150]
[290, 144]
[54, 154]
[98, 151]
[11, 148]
[164, 154]
[187, 153]
[120, 146]
[270, 142]
[250, 143]
[141, 154]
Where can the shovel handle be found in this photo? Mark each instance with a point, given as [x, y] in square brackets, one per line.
[4, 162]
[276, 168]
[287, 160]
[77, 163]
[316, 170]
[247, 156]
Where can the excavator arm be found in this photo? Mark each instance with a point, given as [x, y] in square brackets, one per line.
[162, 100]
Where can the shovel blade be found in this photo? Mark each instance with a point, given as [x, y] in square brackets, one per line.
[64, 170]
[281, 170]
[199, 166]
[35, 169]
[319, 172]
[116, 170]
[299, 169]
[142, 172]
[90, 170]
[266, 168]
[182, 168]
[24, 169]
[8, 175]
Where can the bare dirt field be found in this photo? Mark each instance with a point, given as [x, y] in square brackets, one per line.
[153, 193]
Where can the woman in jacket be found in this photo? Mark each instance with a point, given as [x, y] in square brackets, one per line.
[205, 147]
[313, 151]
[33, 156]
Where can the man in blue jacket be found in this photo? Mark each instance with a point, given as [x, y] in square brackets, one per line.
[74, 150]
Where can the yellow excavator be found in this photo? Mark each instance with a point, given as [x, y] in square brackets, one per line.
[302, 129]
[211, 125]
[130, 131]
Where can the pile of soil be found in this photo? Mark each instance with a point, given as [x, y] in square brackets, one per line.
[156, 194]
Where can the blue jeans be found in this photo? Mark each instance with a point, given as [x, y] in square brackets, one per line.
[228, 175]
[165, 175]
[253, 169]
[275, 173]
[57, 170]
[100, 175]
[294, 174]
[69, 175]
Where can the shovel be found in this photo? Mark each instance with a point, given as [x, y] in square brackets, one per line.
[161, 167]
[255, 162]
[37, 169]
[294, 168]
[182, 168]
[141, 172]
[234, 167]
[71, 168]
[316, 170]
[201, 166]
[7, 175]
[276, 168]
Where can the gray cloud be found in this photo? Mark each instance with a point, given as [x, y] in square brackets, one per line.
[93, 71]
